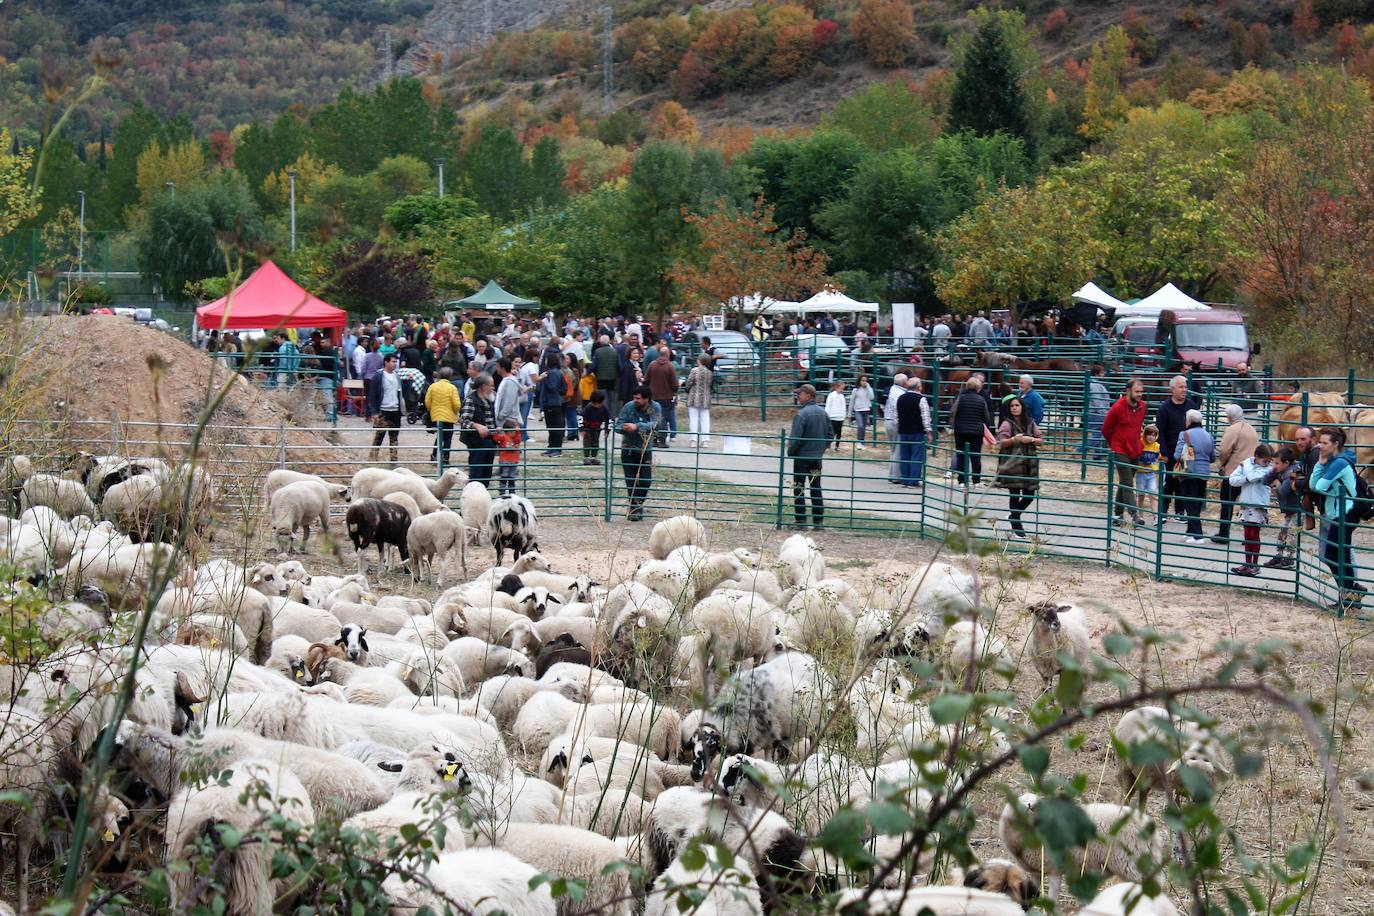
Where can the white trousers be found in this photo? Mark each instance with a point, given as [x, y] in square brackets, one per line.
[699, 421]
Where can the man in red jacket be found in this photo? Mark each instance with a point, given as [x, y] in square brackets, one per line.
[1121, 430]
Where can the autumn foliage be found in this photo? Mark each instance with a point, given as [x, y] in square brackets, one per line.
[744, 254]
[885, 31]
[1055, 23]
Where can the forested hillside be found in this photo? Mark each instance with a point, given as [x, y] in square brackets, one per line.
[989, 158]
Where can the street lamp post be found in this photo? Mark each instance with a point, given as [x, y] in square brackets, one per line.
[440, 162]
[292, 175]
[81, 240]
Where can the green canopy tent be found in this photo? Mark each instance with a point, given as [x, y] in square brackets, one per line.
[493, 298]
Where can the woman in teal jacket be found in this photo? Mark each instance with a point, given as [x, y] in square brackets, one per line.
[1334, 477]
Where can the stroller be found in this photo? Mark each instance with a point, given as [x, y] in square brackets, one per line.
[413, 388]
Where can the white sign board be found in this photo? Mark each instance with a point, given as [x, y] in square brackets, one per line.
[904, 322]
[713, 322]
[737, 445]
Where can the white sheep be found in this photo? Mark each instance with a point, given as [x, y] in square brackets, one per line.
[763, 839]
[689, 576]
[58, 535]
[725, 628]
[1128, 899]
[1191, 745]
[432, 539]
[295, 507]
[280, 477]
[377, 482]
[572, 852]
[1058, 628]
[478, 881]
[800, 562]
[656, 727]
[124, 574]
[1125, 838]
[68, 498]
[722, 891]
[474, 504]
[313, 624]
[967, 642]
[488, 624]
[674, 532]
[422, 809]
[405, 501]
[769, 709]
[529, 635]
[504, 696]
[196, 812]
[544, 715]
[477, 660]
[363, 685]
[373, 618]
[932, 597]
[817, 616]
[932, 901]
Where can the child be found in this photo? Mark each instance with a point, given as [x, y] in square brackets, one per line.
[861, 406]
[1147, 477]
[1252, 478]
[836, 408]
[507, 440]
[594, 417]
[1282, 479]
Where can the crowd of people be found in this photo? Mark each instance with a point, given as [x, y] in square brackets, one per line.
[482, 381]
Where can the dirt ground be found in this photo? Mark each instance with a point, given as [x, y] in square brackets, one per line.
[1331, 661]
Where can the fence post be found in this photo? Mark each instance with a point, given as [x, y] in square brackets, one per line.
[763, 381]
[1159, 528]
[608, 493]
[1084, 416]
[1306, 401]
[1111, 505]
[281, 442]
[782, 472]
[1350, 386]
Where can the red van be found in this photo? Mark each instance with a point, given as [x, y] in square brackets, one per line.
[1205, 338]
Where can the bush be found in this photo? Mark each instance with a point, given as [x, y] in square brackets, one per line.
[885, 31]
[91, 294]
[1055, 23]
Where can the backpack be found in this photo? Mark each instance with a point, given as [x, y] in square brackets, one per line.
[1361, 501]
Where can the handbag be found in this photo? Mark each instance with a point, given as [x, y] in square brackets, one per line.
[1189, 453]
[988, 438]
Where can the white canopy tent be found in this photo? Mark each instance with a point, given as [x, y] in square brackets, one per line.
[1169, 296]
[758, 304]
[1093, 294]
[835, 302]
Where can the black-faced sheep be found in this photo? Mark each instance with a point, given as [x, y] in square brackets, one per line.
[375, 521]
[511, 523]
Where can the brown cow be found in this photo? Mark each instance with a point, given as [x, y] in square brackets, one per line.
[1324, 408]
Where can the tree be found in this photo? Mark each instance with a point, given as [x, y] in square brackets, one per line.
[801, 176]
[666, 184]
[417, 213]
[17, 199]
[368, 276]
[275, 191]
[263, 150]
[185, 236]
[183, 165]
[361, 129]
[495, 172]
[885, 31]
[743, 255]
[670, 121]
[885, 116]
[1162, 213]
[987, 95]
[525, 257]
[546, 174]
[883, 223]
[133, 134]
[1016, 246]
[1104, 101]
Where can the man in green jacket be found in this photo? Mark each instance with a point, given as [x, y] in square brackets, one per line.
[606, 368]
[810, 435]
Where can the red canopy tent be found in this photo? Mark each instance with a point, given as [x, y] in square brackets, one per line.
[270, 299]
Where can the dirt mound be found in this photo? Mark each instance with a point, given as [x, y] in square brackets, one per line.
[131, 382]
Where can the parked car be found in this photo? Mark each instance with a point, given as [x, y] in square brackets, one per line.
[815, 352]
[1137, 338]
[734, 351]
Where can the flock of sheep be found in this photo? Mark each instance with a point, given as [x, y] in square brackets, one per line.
[575, 724]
